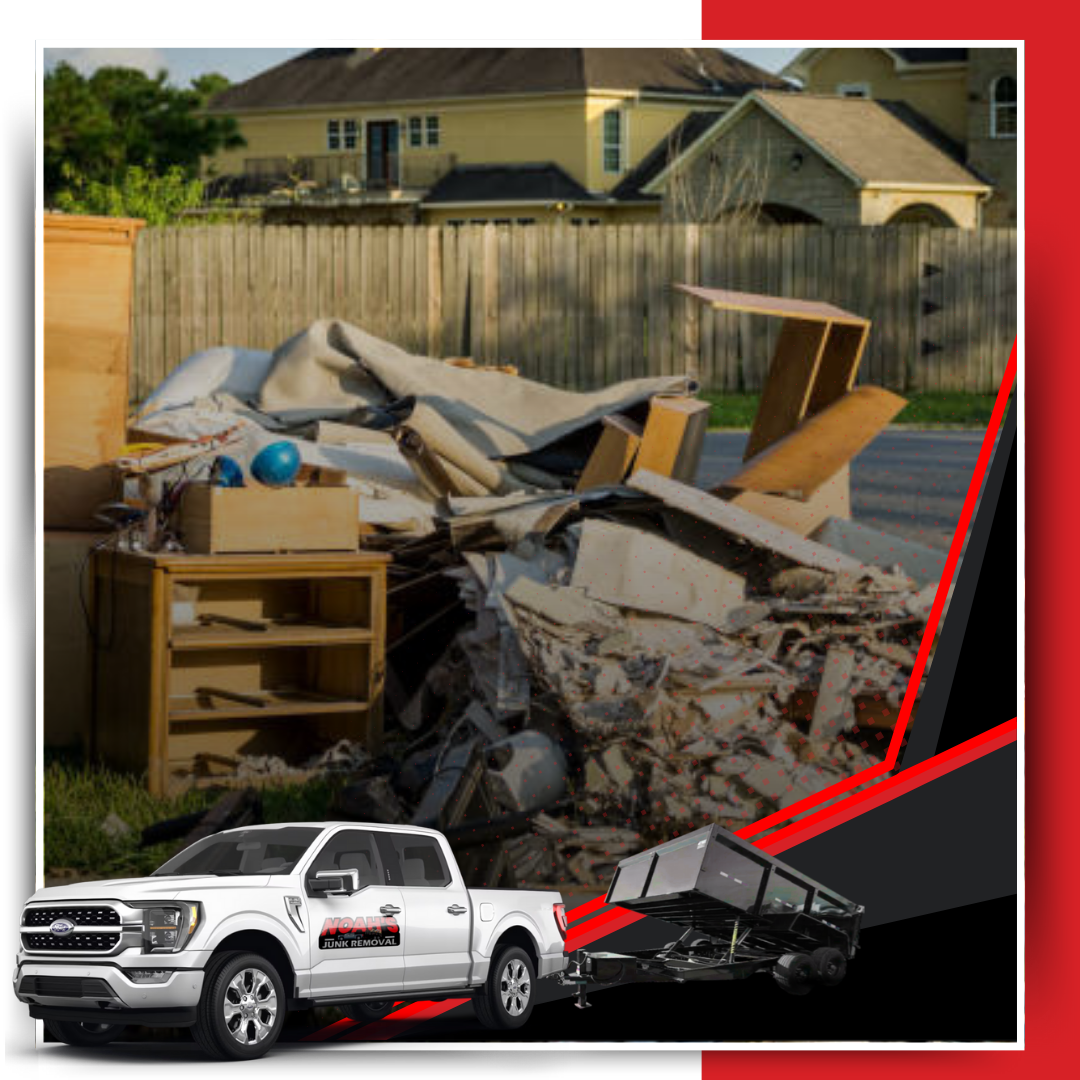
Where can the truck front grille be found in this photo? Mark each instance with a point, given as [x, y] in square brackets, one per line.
[71, 942]
[65, 986]
[80, 916]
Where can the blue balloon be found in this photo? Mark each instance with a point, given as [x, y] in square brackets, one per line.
[226, 472]
[276, 465]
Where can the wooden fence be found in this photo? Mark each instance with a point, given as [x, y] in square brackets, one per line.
[580, 307]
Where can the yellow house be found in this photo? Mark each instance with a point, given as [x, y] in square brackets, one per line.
[969, 95]
[798, 158]
[445, 135]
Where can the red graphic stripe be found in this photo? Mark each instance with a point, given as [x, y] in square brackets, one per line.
[586, 909]
[331, 1031]
[403, 1020]
[955, 548]
[601, 926]
[892, 788]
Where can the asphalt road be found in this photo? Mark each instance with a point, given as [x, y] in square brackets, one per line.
[909, 483]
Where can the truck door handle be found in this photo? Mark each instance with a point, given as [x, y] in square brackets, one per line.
[457, 909]
[389, 909]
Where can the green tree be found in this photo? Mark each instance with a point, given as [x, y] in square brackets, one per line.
[158, 200]
[119, 117]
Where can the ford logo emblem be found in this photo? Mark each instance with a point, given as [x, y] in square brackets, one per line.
[61, 927]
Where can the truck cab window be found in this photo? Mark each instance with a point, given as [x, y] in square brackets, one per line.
[353, 849]
[414, 860]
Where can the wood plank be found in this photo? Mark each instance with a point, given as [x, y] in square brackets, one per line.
[674, 436]
[806, 310]
[653, 300]
[614, 454]
[839, 364]
[738, 522]
[802, 461]
[490, 255]
[786, 395]
[434, 293]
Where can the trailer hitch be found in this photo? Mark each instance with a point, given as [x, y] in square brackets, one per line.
[576, 974]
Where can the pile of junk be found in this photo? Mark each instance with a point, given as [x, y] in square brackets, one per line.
[586, 653]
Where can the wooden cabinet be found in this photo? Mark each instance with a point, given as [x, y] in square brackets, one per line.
[87, 311]
[206, 659]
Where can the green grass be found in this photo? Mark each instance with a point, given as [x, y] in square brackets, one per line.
[78, 798]
[969, 410]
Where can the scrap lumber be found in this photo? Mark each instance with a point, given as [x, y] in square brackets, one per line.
[801, 462]
[614, 454]
[831, 500]
[749, 527]
[674, 436]
[637, 569]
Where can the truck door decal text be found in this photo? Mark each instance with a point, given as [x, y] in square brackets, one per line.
[359, 933]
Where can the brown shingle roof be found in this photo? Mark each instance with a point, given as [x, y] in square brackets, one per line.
[350, 76]
[869, 139]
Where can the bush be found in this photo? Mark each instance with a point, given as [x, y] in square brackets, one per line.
[158, 200]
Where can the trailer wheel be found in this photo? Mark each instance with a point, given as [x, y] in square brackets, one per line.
[830, 966]
[794, 973]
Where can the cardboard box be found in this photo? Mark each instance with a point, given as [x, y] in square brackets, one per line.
[218, 520]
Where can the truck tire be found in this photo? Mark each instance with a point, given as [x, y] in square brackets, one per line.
[830, 966]
[76, 1033]
[242, 1009]
[509, 994]
[794, 973]
[367, 1010]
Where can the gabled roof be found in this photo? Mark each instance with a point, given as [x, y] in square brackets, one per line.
[680, 138]
[358, 76]
[543, 182]
[873, 143]
[903, 59]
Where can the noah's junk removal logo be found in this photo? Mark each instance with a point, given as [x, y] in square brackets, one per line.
[360, 933]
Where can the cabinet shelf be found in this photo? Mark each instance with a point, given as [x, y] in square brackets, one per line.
[276, 635]
[277, 703]
[185, 632]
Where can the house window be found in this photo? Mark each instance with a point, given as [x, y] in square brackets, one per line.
[854, 89]
[1003, 108]
[333, 134]
[350, 134]
[416, 131]
[431, 128]
[613, 141]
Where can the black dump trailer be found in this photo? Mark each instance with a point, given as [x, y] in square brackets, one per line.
[743, 911]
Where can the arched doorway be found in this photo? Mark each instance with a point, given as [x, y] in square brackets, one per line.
[922, 214]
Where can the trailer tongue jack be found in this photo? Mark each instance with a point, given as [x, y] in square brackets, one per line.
[743, 911]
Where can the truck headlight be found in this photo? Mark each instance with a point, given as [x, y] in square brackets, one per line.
[168, 927]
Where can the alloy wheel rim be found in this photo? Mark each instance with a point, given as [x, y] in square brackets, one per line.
[514, 988]
[250, 1006]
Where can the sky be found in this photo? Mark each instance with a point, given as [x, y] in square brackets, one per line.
[238, 64]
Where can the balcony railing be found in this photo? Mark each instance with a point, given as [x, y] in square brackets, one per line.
[346, 175]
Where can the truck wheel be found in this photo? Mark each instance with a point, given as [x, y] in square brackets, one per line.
[830, 966]
[242, 1008]
[76, 1033]
[367, 1010]
[508, 998]
[794, 973]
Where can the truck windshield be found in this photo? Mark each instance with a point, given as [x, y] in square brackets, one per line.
[243, 852]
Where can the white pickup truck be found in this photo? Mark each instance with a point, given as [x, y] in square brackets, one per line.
[246, 925]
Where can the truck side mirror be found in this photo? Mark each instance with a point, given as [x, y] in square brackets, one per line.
[329, 882]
